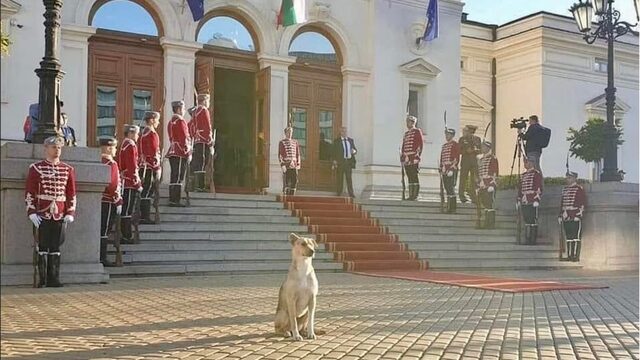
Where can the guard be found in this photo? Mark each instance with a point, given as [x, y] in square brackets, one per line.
[50, 196]
[574, 200]
[111, 197]
[150, 163]
[289, 156]
[128, 162]
[470, 148]
[449, 161]
[201, 132]
[487, 173]
[529, 195]
[410, 157]
[179, 152]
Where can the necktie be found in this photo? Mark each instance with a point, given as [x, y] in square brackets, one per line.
[346, 148]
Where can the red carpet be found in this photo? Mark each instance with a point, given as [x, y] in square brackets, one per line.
[478, 281]
[354, 238]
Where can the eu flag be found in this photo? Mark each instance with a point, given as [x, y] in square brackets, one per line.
[197, 9]
[431, 30]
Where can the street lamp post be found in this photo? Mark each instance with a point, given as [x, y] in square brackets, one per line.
[609, 28]
[50, 75]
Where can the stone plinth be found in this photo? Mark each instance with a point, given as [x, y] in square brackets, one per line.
[610, 224]
[81, 250]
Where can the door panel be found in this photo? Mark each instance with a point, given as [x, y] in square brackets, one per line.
[261, 127]
[204, 75]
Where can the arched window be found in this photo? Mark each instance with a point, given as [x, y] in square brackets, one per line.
[123, 15]
[226, 32]
[313, 46]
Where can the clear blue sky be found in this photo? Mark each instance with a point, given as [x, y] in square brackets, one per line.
[502, 11]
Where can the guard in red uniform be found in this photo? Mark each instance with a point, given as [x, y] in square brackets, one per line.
[128, 162]
[410, 156]
[487, 173]
[179, 152]
[289, 156]
[201, 126]
[150, 163]
[449, 162]
[50, 196]
[574, 200]
[111, 197]
[529, 195]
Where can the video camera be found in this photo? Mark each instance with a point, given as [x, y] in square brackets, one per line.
[519, 124]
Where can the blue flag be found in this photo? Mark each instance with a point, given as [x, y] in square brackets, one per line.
[431, 30]
[197, 9]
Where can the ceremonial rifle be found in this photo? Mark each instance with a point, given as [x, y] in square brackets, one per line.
[561, 236]
[35, 257]
[210, 166]
[442, 205]
[478, 182]
[156, 184]
[117, 234]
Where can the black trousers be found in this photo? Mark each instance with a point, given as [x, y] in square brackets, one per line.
[49, 236]
[344, 171]
[149, 178]
[178, 171]
[290, 181]
[468, 171]
[201, 155]
[572, 230]
[486, 198]
[129, 197]
[449, 183]
[412, 174]
[107, 218]
[529, 214]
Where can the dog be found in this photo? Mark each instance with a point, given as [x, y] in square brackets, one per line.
[295, 314]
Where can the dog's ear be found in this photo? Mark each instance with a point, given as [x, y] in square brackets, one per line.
[293, 238]
[315, 244]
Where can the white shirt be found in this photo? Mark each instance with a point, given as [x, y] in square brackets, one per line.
[346, 148]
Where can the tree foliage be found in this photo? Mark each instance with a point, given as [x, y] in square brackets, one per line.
[4, 38]
[588, 142]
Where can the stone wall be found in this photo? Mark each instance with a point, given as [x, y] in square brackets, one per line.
[610, 226]
[80, 252]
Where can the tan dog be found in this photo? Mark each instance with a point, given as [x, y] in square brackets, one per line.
[297, 297]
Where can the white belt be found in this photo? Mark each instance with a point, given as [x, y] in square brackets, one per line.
[52, 198]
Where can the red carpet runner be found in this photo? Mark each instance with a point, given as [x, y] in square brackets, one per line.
[354, 238]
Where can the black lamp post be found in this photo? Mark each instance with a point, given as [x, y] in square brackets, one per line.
[609, 28]
[50, 75]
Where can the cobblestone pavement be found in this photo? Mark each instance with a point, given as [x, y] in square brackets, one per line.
[365, 318]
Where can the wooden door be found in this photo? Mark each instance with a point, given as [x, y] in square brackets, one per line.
[261, 128]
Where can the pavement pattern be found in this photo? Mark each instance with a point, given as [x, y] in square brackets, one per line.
[231, 317]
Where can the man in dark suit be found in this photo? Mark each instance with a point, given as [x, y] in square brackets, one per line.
[344, 160]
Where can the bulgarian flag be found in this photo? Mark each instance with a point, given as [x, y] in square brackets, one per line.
[292, 12]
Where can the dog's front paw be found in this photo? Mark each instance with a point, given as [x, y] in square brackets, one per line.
[311, 336]
[296, 337]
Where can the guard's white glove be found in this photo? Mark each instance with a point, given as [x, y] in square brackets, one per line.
[212, 150]
[119, 209]
[284, 169]
[158, 174]
[560, 220]
[190, 158]
[536, 204]
[68, 219]
[353, 151]
[35, 219]
[491, 189]
[576, 219]
[450, 173]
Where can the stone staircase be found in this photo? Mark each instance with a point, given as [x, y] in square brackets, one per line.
[218, 234]
[451, 242]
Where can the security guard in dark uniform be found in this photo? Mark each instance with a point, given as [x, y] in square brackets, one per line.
[470, 148]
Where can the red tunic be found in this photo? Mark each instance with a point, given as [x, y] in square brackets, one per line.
[149, 144]
[487, 171]
[111, 193]
[128, 162]
[178, 137]
[51, 190]
[200, 126]
[449, 156]
[289, 153]
[574, 199]
[411, 147]
[530, 187]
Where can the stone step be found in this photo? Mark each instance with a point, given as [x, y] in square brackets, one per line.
[496, 247]
[164, 195]
[214, 267]
[500, 264]
[386, 214]
[206, 245]
[461, 223]
[411, 204]
[223, 227]
[220, 235]
[199, 255]
[224, 203]
[418, 210]
[485, 255]
[477, 237]
[225, 219]
[209, 210]
[412, 229]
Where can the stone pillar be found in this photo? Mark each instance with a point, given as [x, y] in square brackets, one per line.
[179, 73]
[80, 252]
[279, 109]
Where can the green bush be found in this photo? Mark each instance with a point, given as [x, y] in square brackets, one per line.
[509, 182]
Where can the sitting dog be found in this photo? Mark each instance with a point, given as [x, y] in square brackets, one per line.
[297, 298]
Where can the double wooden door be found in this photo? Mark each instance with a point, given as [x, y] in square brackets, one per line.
[315, 108]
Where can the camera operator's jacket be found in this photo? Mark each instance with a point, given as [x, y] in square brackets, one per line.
[487, 171]
[573, 202]
[530, 189]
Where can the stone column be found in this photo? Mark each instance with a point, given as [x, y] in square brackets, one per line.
[80, 252]
[279, 109]
[179, 73]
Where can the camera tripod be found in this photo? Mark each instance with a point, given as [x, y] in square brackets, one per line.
[517, 153]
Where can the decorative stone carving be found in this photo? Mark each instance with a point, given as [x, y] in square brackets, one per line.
[415, 31]
[320, 10]
[420, 68]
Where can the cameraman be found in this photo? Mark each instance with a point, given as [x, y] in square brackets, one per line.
[534, 137]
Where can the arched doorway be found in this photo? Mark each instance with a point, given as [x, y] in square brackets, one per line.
[315, 98]
[227, 68]
[125, 67]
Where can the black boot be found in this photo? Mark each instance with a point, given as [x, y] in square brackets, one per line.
[53, 271]
[416, 190]
[451, 204]
[570, 250]
[145, 211]
[200, 182]
[42, 270]
[527, 234]
[174, 198]
[103, 253]
[125, 228]
[490, 219]
[534, 234]
[412, 192]
[577, 245]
